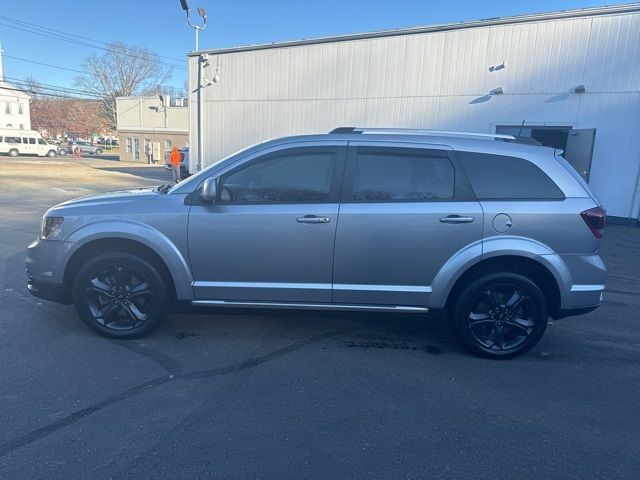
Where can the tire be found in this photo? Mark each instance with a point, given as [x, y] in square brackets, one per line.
[98, 152]
[120, 295]
[51, 153]
[500, 315]
[13, 152]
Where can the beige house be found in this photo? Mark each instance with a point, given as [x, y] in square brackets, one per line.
[14, 105]
[150, 126]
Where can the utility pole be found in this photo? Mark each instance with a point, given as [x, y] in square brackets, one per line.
[201, 63]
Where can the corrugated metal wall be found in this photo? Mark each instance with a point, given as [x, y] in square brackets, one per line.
[442, 80]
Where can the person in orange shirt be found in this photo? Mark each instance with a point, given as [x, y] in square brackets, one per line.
[175, 159]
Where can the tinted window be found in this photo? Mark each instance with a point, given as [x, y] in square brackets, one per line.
[25, 140]
[41, 142]
[297, 175]
[32, 141]
[388, 174]
[501, 177]
[12, 139]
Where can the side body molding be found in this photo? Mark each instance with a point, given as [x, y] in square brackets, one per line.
[125, 229]
[496, 247]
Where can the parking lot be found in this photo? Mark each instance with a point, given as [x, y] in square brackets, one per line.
[301, 394]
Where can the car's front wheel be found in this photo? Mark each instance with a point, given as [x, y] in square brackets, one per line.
[51, 153]
[120, 295]
[500, 315]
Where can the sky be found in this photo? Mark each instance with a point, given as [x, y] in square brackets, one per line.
[160, 26]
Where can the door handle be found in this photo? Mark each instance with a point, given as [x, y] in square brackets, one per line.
[457, 219]
[313, 219]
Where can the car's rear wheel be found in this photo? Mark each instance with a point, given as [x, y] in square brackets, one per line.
[13, 152]
[120, 295]
[500, 315]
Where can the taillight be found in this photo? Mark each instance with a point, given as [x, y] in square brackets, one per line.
[595, 220]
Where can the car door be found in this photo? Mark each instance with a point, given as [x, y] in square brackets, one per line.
[269, 235]
[406, 209]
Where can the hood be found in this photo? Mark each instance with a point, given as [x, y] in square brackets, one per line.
[119, 196]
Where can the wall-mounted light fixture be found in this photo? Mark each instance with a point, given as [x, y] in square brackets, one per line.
[580, 89]
[497, 91]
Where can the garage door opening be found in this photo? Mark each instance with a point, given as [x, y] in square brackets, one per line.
[577, 144]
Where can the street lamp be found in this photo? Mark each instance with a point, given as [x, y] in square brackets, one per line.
[203, 15]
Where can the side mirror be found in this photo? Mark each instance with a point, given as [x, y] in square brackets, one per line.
[209, 190]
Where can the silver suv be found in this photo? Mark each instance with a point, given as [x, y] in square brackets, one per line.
[500, 234]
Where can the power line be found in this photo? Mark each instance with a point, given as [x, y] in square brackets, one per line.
[44, 64]
[31, 28]
[67, 34]
[55, 88]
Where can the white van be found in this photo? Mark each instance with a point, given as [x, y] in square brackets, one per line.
[14, 142]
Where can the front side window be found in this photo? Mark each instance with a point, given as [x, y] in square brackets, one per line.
[41, 142]
[299, 175]
[398, 174]
[32, 141]
[499, 177]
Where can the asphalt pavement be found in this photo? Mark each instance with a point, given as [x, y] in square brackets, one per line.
[292, 395]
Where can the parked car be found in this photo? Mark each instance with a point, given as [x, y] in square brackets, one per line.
[85, 147]
[500, 235]
[14, 142]
[184, 161]
[60, 150]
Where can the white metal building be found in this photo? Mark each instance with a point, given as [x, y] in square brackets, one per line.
[572, 77]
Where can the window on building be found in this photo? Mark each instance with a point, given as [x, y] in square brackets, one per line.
[7, 108]
[392, 174]
[498, 177]
[128, 142]
[147, 146]
[136, 149]
[301, 175]
[22, 126]
[20, 110]
[168, 144]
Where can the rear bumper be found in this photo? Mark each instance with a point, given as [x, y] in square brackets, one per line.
[588, 279]
[571, 312]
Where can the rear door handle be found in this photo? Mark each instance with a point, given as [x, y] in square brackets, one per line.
[313, 219]
[457, 219]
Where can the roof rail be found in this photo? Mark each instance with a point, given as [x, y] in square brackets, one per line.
[417, 131]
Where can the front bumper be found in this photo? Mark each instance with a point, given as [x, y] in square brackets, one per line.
[48, 291]
[45, 265]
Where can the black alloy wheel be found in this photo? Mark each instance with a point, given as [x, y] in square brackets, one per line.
[500, 315]
[120, 295]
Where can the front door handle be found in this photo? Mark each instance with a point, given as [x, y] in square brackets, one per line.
[313, 219]
[457, 219]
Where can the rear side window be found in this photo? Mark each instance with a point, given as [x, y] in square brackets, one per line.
[499, 177]
[396, 174]
[12, 139]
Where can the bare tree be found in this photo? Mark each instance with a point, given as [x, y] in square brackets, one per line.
[121, 71]
[32, 86]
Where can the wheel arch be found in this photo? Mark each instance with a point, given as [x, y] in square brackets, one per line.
[513, 254]
[144, 241]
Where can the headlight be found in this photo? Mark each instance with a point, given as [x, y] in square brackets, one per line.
[49, 225]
